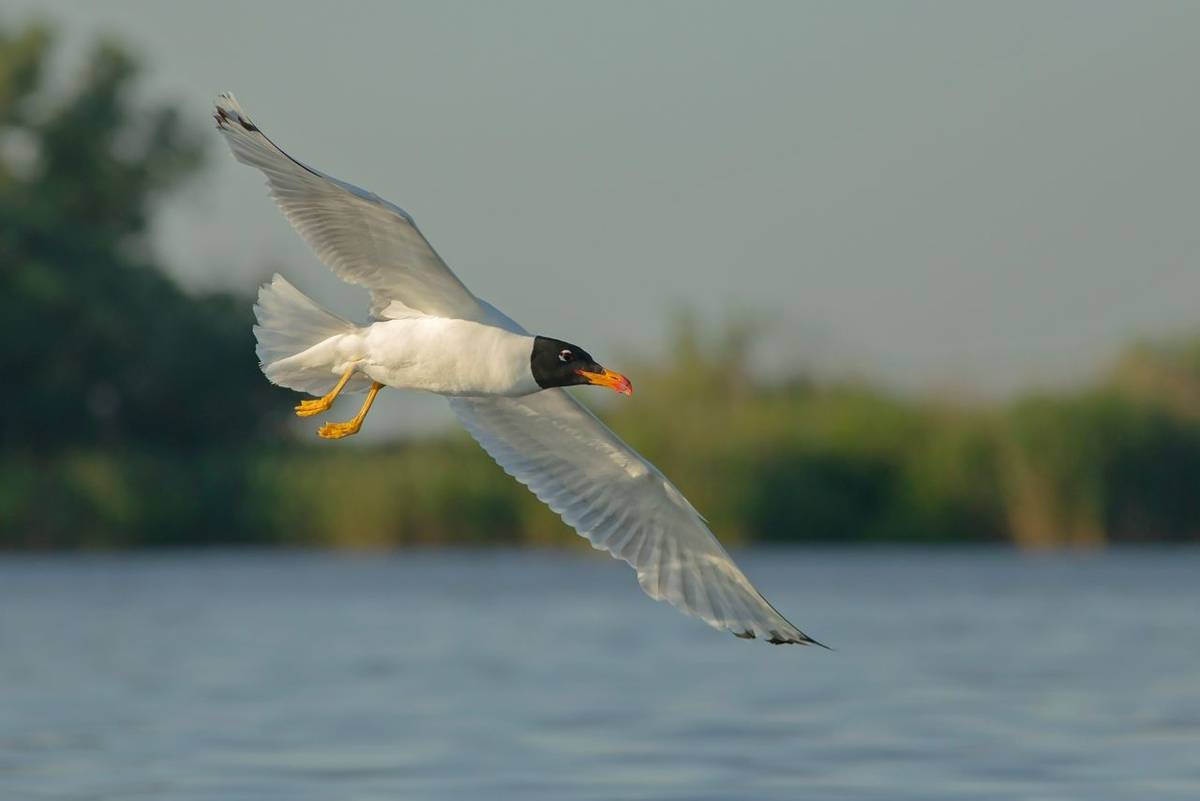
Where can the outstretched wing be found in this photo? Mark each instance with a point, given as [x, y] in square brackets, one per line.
[364, 239]
[621, 503]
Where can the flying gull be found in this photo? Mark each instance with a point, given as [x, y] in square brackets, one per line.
[429, 332]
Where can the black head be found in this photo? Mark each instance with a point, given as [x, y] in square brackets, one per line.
[555, 363]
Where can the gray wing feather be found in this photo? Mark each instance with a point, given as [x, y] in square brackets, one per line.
[363, 238]
[623, 505]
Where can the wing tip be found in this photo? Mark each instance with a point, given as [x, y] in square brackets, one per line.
[228, 111]
[779, 638]
[808, 641]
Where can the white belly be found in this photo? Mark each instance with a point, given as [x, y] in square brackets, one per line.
[436, 354]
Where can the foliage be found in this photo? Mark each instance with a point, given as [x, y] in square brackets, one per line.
[106, 348]
[138, 406]
[1102, 466]
[794, 463]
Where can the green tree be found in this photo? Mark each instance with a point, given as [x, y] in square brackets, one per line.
[98, 345]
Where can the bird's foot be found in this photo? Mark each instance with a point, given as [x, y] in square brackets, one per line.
[307, 408]
[339, 430]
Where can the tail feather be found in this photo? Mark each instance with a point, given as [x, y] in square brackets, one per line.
[291, 327]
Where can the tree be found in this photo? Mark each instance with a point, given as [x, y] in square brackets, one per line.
[98, 345]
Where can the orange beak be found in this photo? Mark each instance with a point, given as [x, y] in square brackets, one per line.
[607, 378]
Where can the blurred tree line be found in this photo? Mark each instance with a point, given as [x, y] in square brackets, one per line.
[104, 348]
[136, 414]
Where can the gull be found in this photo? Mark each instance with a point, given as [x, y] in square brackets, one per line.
[429, 332]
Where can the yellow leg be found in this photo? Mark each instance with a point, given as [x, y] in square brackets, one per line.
[339, 430]
[308, 408]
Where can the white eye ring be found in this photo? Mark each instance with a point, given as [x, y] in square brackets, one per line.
[565, 355]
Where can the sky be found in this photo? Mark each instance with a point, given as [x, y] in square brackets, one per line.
[968, 197]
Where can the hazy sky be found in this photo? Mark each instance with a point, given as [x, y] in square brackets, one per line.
[937, 194]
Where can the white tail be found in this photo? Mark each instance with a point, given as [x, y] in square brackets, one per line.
[290, 327]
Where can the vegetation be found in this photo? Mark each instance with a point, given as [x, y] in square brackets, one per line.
[92, 327]
[109, 439]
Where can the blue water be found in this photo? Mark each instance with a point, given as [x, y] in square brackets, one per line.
[528, 676]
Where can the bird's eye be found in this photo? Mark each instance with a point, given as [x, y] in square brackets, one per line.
[565, 355]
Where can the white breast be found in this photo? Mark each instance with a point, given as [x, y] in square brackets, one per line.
[446, 356]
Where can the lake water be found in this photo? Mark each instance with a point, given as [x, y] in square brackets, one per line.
[523, 676]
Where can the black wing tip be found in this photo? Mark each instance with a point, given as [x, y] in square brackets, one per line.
[777, 638]
[803, 639]
[224, 118]
[810, 641]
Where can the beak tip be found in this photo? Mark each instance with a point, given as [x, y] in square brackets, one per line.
[608, 378]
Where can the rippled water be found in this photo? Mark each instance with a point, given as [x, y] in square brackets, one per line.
[524, 676]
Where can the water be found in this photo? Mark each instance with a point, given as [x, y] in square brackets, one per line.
[528, 676]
